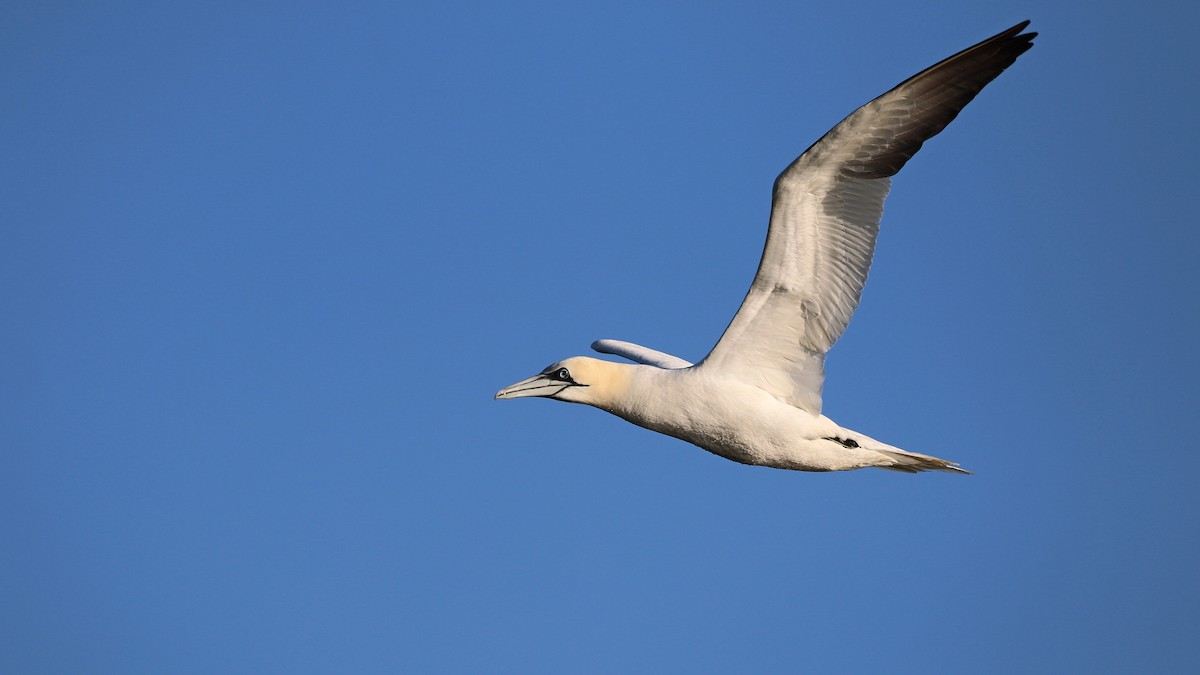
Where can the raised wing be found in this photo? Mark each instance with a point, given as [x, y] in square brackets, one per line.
[824, 219]
[640, 354]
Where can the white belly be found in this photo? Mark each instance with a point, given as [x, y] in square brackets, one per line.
[741, 422]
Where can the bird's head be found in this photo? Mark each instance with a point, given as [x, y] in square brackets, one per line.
[578, 379]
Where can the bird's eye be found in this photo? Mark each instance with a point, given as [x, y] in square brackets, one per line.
[562, 374]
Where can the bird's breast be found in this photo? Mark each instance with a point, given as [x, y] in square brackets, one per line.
[734, 420]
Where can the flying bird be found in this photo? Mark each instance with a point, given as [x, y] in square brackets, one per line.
[756, 397]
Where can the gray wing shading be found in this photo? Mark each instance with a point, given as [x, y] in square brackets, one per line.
[640, 354]
[825, 216]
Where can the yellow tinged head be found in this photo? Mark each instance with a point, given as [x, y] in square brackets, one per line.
[579, 379]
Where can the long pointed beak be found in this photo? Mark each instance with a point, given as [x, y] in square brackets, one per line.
[538, 385]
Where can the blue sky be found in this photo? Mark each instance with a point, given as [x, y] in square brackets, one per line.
[265, 264]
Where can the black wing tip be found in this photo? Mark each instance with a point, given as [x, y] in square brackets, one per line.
[1015, 32]
[952, 83]
[994, 54]
[1015, 36]
[1011, 41]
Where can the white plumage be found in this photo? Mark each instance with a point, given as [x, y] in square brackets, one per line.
[756, 397]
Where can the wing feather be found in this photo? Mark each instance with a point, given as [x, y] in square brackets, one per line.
[640, 354]
[825, 213]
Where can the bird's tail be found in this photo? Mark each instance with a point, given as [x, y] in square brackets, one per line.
[913, 462]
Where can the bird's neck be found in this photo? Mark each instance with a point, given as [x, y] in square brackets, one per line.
[611, 384]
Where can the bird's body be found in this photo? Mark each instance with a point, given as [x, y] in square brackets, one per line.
[727, 417]
[738, 421]
[756, 398]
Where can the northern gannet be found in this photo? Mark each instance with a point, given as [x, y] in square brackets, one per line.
[756, 397]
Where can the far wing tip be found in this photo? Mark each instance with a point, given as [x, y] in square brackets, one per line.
[640, 354]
